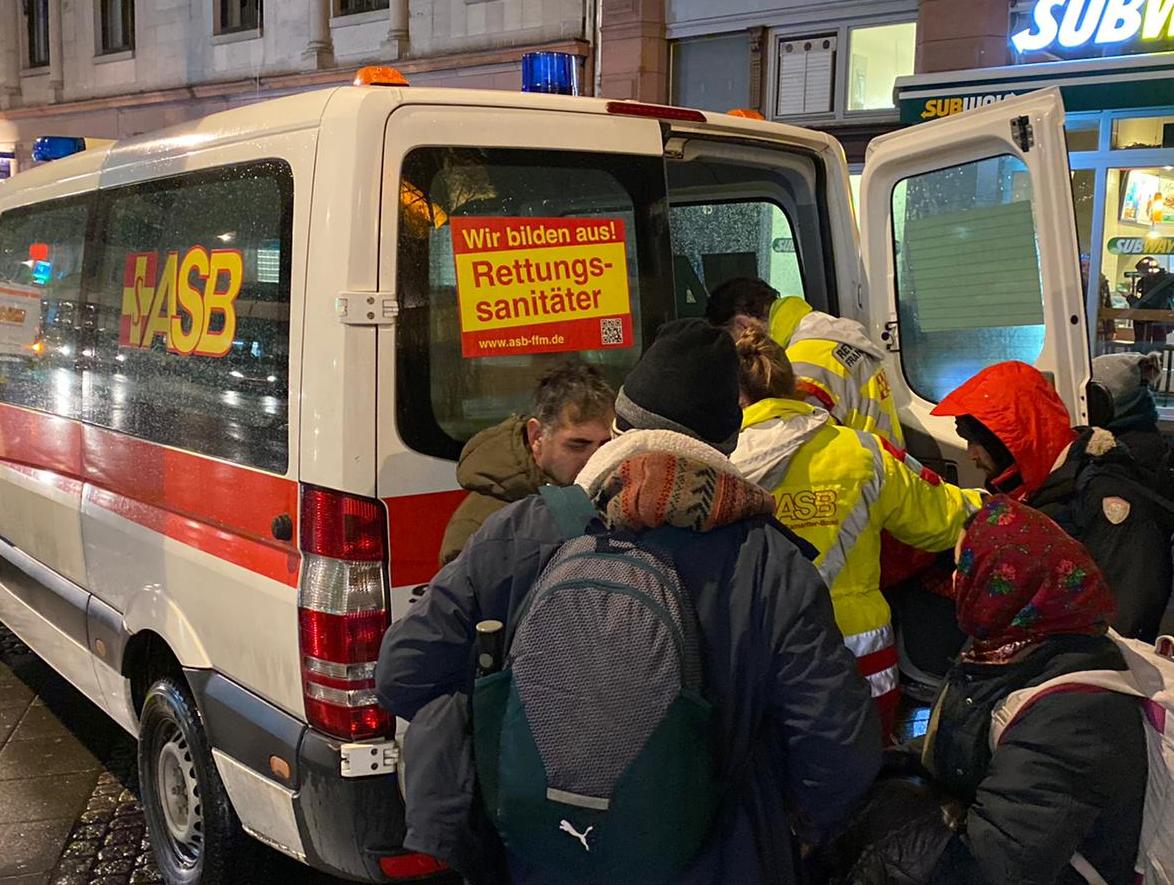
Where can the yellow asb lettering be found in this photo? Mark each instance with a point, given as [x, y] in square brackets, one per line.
[175, 306]
[226, 263]
[159, 316]
[806, 505]
[188, 309]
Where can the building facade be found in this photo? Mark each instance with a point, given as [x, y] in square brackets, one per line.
[114, 68]
[1114, 66]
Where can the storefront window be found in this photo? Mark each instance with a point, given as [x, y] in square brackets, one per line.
[877, 57]
[1137, 267]
[712, 73]
[1137, 133]
[1083, 135]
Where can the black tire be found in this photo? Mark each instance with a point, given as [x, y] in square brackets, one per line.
[195, 834]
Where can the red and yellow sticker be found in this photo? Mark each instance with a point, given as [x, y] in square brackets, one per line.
[541, 285]
[176, 306]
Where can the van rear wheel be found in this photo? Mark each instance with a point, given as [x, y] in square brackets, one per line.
[195, 834]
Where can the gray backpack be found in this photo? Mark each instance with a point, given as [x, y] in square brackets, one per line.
[594, 745]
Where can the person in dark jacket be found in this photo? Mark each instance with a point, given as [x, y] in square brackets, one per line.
[572, 415]
[1128, 378]
[1155, 291]
[1069, 772]
[801, 740]
[1019, 433]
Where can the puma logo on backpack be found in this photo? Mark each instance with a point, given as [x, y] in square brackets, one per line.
[1150, 677]
[598, 715]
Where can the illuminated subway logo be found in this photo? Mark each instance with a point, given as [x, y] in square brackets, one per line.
[947, 107]
[1074, 23]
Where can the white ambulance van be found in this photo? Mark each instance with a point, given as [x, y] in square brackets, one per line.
[234, 466]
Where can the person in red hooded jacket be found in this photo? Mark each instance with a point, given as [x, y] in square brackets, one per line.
[1019, 434]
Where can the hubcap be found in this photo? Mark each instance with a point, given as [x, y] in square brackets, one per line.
[179, 795]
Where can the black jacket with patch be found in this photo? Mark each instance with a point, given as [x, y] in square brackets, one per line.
[1128, 537]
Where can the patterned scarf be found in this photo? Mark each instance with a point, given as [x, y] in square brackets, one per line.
[663, 488]
[1021, 578]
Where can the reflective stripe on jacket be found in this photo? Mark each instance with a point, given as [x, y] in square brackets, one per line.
[837, 367]
[839, 489]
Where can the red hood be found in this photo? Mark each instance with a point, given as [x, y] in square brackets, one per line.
[1019, 406]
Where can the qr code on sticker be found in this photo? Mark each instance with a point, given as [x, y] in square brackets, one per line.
[611, 331]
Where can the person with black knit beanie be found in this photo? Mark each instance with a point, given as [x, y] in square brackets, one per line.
[687, 382]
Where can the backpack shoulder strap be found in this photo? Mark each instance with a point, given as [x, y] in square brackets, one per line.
[571, 508]
[1018, 702]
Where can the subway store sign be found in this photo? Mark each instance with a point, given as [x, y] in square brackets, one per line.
[1103, 84]
[1076, 24]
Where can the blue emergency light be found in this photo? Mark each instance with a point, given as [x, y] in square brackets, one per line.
[54, 147]
[554, 73]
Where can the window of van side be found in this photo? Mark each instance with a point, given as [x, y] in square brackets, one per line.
[189, 287]
[41, 254]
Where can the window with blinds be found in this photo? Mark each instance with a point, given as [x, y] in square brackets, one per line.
[806, 76]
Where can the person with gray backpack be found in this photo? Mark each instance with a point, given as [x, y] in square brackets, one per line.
[672, 701]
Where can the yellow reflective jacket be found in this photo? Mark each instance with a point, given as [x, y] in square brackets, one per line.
[837, 367]
[839, 489]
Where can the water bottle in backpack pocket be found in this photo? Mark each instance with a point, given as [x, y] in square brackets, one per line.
[594, 744]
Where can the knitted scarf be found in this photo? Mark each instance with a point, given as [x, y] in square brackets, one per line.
[651, 478]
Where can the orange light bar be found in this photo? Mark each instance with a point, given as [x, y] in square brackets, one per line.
[380, 75]
[748, 113]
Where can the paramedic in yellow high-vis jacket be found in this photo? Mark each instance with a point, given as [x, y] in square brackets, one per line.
[838, 489]
[836, 365]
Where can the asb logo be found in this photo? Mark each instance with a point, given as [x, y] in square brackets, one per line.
[806, 505]
[189, 307]
[1075, 23]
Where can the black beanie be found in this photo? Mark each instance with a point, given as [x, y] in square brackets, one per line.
[687, 381]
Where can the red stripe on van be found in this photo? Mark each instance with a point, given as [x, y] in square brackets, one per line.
[66, 484]
[216, 507]
[415, 528]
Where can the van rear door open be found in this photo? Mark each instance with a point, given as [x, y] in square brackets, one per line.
[969, 244]
[528, 238]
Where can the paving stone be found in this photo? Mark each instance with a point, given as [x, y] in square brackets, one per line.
[31, 847]
[9, 716]
[74, 866]
[82, 848]
[38, 723]
[117, 852]
[15, 694]
[122, 866]
[58, 755]
[44, 798]
[124, 836]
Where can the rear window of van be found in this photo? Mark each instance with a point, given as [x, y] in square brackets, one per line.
[512, 261]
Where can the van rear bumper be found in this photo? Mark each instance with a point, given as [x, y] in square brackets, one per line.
[343, 825]
[347, 824]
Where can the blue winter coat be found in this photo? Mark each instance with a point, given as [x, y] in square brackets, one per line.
[800, 736]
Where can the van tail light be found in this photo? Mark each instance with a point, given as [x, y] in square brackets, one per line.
[406, 867]
[342, 611]
[657, 111]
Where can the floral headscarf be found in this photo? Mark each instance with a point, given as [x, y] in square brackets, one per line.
[1020, 578]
